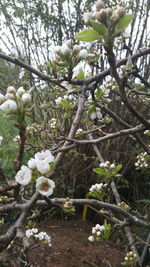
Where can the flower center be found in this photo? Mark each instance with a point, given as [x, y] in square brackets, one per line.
[45, 186]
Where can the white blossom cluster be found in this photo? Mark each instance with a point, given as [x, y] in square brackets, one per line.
[98, 187]
[142, 160]
[131, 257]
[14, 99]
[104, 15]
[97, 231]
[69, 49]
[16, 138]
[42, 236]
[107, 165]
[80, 131]
[65, 97]
[41, 163]
[52, 123]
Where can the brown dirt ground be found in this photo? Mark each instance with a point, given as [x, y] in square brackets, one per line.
[70, 247]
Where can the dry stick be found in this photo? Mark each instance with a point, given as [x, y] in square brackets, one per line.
[11, 232]
[136, 129]
[118, 199]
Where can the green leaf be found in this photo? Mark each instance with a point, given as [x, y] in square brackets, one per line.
[99, 27]
[80, 75]
[100, 171]
[65, 104]
[91, 110]
[117, 168]
[88, 35]
[67, 115]
[124, 22]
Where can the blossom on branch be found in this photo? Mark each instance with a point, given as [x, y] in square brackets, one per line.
[45, 186]
[23, 176]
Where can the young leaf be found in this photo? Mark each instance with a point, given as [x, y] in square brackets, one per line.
[87, 36]
[124, 22]
[117, 168]
[99, 27]
[65, 104]
[100, 171]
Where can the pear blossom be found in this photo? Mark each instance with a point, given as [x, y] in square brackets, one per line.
[21, 91]
[9, 106]
[26, 98]
[65, 50]
[9, 96]
[32, 163]
[45, 186]
[58, 100]
[96, 114]
[23, 176]
[11, 90]
[42, 166]
[44, 156]
[91, 238]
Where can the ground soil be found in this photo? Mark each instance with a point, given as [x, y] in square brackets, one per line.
[70, 247]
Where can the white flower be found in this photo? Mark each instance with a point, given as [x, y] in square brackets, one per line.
[20, 91]
[58, 100]
[23, 176]
[101, 165]
[112, 166]
[87, 17]
[44, 155]
[45, 186]
[2, 98]
[29, 233]
[91, 238]
[96, 114]
[97, 226]
[32, 163]
[102, 228]
[98, 233]
[79, 131]
[83, 53]
[42, 166]
[9, 106]
[1, 139]
[65, 50]
[26, 98]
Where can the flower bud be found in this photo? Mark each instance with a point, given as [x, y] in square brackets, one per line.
[102, 16]
[109, 12]
[65, 50]
[76, 48]
[9, 96]
[11, 90]
[9, 106]
[121, 11]
[20, 91]
[99, 5]
[26, 98]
